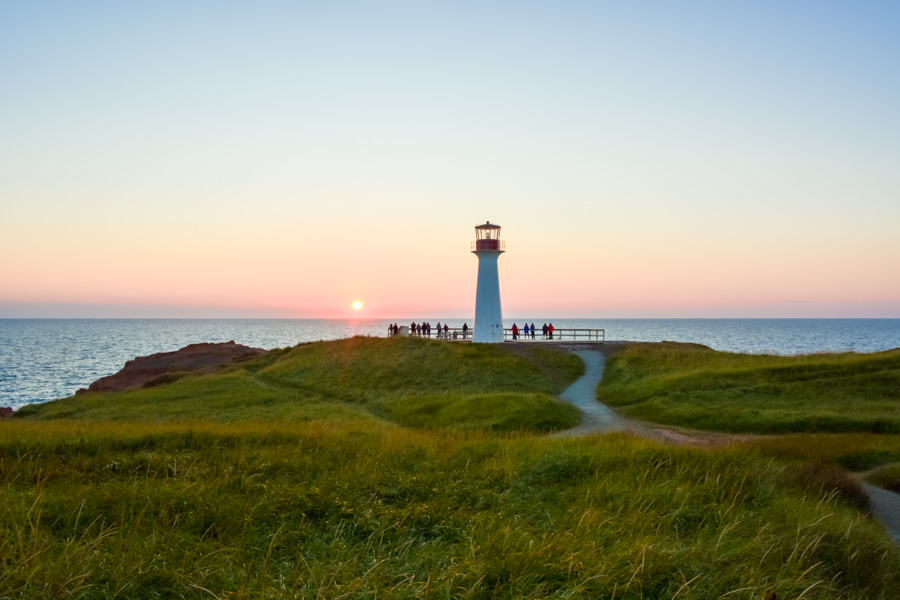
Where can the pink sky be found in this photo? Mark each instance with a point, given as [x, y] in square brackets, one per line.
[287, 161]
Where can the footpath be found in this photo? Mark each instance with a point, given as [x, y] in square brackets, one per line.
[596, 417]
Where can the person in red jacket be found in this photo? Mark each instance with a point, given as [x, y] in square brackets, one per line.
[550, 329]
[515, 332]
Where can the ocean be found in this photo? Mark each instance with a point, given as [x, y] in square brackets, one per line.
[45, 359]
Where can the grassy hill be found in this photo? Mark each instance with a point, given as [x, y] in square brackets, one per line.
[841, 410]
[408, 381]
[371, 468]
[694, 386]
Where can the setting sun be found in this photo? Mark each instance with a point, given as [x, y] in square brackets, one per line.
[357, 305]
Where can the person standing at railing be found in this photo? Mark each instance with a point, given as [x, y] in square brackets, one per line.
[525, 329]
[515, 331]
[446, 330]
[550, 330]
[465, 330]
[532, 331]
[544, 332]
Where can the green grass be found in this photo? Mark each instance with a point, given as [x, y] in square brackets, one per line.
[410, 381]
[851, 451]
[397, 468]
[693, 386]
[887, 477]
[312, 510]
[876, 457]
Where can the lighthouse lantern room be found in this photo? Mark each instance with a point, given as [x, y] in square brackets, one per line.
[488, 315]
[487, 237]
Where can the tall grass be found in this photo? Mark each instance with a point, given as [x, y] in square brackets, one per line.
[694, 386]
[332, 510]
[405, 469]
[851, 451]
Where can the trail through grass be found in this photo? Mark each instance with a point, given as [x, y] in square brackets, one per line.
[372, 468]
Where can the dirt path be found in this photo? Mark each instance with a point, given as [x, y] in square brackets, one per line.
[886, 508]
[599, 418]
[595, 417]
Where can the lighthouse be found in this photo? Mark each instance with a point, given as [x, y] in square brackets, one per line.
[488, 316]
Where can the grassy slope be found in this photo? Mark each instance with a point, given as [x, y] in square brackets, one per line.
[409, 381]
[99, 510]
[694, 386]
[289, 480]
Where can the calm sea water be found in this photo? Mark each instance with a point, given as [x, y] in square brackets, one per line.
[44, 359]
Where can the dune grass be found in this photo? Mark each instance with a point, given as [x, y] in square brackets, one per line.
[407, 469]
[851, 451]
[412, 381]
[693, 386]
[874, 457]
[325, 510]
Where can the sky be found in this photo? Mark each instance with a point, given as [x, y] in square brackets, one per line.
[285, 159]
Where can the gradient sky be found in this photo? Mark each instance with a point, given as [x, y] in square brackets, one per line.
[645, 159]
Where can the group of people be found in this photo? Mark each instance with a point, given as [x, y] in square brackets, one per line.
[424, 329]
[546, 330]
[443, 331]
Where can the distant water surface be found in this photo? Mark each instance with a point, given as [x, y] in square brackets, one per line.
[44, 359]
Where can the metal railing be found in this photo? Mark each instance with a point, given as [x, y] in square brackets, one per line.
[584, 335]
[488, 245]
[452, 333]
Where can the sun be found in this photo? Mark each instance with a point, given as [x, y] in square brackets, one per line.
[357, 305]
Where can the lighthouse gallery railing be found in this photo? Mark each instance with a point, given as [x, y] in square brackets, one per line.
[488, 245]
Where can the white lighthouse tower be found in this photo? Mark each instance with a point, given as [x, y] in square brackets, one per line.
[488, 316]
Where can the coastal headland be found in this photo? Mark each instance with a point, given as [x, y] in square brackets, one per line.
[421, 468]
